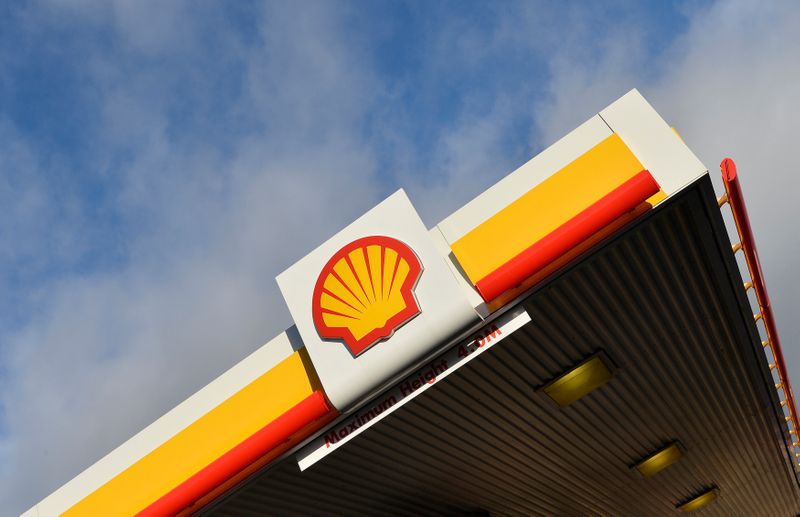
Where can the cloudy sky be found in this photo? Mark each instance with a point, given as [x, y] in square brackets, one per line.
[161, 162]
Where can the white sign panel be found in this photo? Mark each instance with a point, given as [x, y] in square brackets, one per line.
[412, 386]
[373, 301]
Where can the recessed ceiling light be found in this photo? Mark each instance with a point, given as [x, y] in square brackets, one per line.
[577, 382]
[699, 501]
[659, 460]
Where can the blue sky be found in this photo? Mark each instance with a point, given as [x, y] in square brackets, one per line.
[428, 67]
[161, 162]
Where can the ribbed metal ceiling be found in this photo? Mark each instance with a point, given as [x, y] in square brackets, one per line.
[663, 301]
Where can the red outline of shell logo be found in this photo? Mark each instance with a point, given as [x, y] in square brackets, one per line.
[366, 291]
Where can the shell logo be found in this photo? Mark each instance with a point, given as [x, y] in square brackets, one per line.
[366, 291]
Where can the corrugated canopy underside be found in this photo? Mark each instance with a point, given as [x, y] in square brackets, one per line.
[663, 300]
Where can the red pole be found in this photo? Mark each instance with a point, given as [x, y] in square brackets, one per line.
[735, 199]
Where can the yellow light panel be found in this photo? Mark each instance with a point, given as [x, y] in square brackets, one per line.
[660, 460]
[579, 381]
[699, 501]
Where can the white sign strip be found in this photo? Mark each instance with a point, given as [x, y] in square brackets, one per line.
[412, 386]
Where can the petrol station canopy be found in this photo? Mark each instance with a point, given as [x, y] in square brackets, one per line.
[579, 339]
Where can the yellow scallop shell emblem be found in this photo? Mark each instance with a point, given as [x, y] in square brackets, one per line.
[366, 291]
